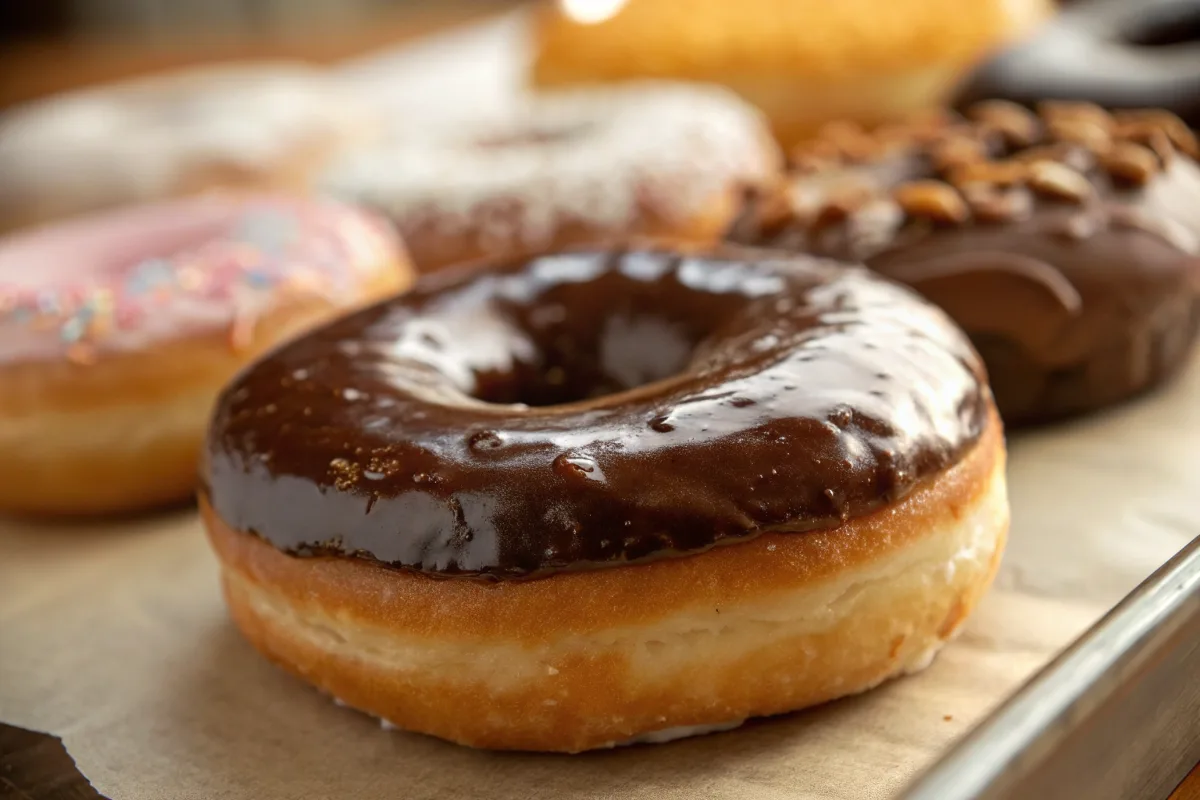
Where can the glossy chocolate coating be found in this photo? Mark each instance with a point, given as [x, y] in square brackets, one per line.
[595, 408]
[1076, 278]
[1116, 53]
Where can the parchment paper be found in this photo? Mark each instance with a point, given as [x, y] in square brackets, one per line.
[113, 636]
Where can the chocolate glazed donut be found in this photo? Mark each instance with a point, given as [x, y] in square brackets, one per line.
[564, 466]
[1116, 53]
[1065, 243]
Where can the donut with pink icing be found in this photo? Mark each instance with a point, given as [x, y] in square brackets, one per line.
[655, 159]
[117, 330]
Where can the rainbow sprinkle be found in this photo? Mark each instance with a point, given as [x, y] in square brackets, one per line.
[309, 249]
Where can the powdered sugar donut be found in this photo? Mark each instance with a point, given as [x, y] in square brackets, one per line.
[655, 159]
[117, 330]
[257, 126]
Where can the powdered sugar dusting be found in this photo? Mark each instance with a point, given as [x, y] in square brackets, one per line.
[601, 158]
[139, 140]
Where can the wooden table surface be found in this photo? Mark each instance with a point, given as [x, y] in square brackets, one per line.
[1190, 788]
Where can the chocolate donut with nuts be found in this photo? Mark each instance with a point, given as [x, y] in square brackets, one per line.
[1065, 241]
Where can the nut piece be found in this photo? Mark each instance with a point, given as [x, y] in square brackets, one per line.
[1080, 130]
[840, 202]
[1185, 139]
[933, 200]
[1075, 156]
[1130, 124]
[1066, 110]
[992, 204]
[850, 141]
[957, 152]
[1000, 173]
[1130, 162]
[766, 207]
[1149, 133]
[1080, 123]
[1160, 143]
[1018, 125]
[1059, 181]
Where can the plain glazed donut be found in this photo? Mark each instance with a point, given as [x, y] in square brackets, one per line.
[657, 160]
[1116, 54]
[1066, 243]
[803, 62]
[117, 330]
[256, 126]
[609, 496]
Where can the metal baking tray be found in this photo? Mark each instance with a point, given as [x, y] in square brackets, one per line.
[1116, 715]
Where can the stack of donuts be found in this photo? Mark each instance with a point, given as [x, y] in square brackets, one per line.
[670, 396]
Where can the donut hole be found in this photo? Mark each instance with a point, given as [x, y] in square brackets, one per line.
[625, 351]
[1170, 24]
[546, 336]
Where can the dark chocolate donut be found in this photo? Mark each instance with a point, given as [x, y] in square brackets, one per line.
[1115, 53]
[507, 422]
[1065, 242]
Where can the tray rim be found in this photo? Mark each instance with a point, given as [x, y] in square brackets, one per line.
[1148, 643]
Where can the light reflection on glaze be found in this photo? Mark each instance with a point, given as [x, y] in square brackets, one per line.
[497, 425]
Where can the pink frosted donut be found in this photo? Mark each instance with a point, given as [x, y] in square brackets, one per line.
[117, 330]
[653, 159]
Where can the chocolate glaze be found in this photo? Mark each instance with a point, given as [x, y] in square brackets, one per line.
[1075, 278]
[1116, 53]
[595, 408]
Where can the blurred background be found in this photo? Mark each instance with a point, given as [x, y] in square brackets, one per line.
[53, 45]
